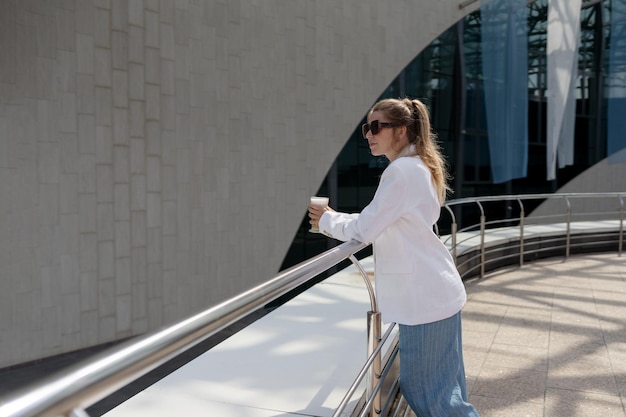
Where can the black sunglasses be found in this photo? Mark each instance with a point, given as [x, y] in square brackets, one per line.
[375, 126]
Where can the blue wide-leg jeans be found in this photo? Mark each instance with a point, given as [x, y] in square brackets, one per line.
[432, 373]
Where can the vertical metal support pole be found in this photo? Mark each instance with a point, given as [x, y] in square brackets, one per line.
[373, 340]
[521, 232]
[453, 230]
[621, 226]
[569, 219]
[482, 239]
[374, 333]
[454, 227]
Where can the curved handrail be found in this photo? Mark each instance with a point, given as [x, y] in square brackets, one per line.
[482, 228]
[84, 385]
[368, 283]
[544, 196]
[364, 370]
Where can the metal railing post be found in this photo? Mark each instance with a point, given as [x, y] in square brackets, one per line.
[374, 335]
[569, 219]
[521, 232]
[374, 332]
[453, 230]
[621, 226]
[482, 239]
[339, 411]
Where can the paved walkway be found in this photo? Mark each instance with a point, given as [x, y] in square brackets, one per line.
[545, 340]
[548, 339]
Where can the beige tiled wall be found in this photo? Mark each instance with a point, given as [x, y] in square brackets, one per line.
[156, 156]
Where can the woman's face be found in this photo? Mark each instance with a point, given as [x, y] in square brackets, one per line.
[385, 142]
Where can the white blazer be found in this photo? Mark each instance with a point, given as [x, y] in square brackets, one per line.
[416, 280]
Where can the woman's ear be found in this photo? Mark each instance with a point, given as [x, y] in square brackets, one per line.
[402, 131]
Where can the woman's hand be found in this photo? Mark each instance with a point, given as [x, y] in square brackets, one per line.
[315, 212]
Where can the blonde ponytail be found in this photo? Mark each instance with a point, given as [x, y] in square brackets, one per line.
[415, 115]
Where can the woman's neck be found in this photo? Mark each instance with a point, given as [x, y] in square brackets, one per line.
[408, 150]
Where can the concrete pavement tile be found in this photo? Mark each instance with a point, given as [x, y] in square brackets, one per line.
[511, 384]
[563, 402]
[584, 377]
[498, 407]
[517, 357]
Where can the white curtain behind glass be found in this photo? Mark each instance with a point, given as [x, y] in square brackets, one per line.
[505, 70]
[616, 120]
[562, 69]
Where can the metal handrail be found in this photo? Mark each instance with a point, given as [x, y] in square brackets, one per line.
[372, 402]
[482, 227]
[68, 394]
[83, 385]
[543, 196]
[362, 374]
[374, 328]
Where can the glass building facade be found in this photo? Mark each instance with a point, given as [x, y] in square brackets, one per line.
[448, 77]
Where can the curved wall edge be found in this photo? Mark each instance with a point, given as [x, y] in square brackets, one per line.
[156, 157]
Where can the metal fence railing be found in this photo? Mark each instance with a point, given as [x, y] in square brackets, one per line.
[499, 230]
[480, 237]
[71, 392]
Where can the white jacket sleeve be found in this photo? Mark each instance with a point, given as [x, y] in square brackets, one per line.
[388, 205]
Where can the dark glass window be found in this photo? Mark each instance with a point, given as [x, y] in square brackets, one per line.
[447, 77]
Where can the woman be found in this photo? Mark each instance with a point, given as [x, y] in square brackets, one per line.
[417, 284]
